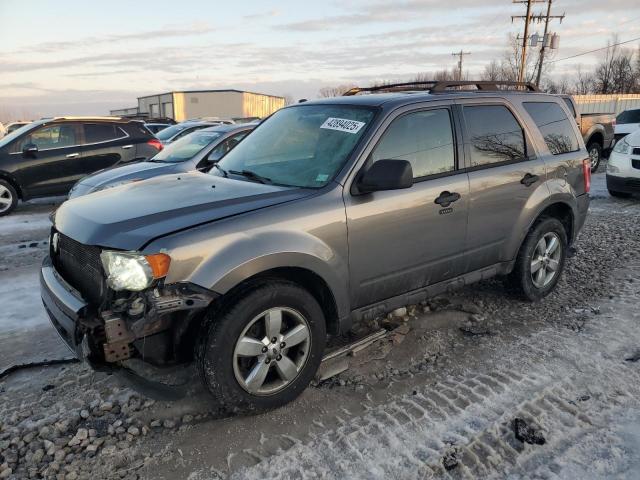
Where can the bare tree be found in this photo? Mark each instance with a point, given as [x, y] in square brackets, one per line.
[326, 92]
[288, 99]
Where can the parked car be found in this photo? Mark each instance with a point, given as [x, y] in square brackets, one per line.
[330, 211]
[623, 168]
[627, 122]
[597, 131]
[156, 127]
[179, 130]
[199, 150]
[13, 126]
[48, 156]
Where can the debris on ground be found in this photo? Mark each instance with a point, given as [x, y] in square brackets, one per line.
[526, 433]
[475, 326]
[450, 459]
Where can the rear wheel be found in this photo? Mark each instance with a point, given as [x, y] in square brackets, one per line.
[595, 155]
[540, 260]
[8, 198]
[262, 349]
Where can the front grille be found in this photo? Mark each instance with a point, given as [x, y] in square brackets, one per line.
[635, 151]
[635, 164]
[81, 267]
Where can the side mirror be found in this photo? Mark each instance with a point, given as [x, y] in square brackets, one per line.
[29, 149]
[386, 175]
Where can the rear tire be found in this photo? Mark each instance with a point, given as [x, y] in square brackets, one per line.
[241, 365]
[613, 193]
[540, 261]
[8, 198]
[595, 154]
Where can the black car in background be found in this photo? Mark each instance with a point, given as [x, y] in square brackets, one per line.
[48, 156]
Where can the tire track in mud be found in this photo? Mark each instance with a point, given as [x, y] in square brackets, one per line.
[562, 381]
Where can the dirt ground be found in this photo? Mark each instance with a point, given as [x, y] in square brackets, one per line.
[475, 384]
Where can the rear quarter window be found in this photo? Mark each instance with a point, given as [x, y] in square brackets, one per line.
[101, 132]
[554, 125]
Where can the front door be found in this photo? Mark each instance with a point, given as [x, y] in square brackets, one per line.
[402, 240]
[50, 168]
[504, 173]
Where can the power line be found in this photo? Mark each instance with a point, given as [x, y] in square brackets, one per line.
[596, 50]
[460, 54]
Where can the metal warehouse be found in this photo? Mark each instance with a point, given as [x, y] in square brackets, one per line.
[183, 105]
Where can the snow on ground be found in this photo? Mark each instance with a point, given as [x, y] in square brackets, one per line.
[24, 223]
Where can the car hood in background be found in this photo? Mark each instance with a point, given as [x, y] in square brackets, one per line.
[626, 128]
[125, 172]
[129, 216]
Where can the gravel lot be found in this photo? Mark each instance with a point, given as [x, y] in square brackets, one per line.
[438, 397]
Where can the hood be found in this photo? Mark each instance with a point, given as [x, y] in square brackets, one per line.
[633, 139]
[130, 171]
[626, 128]
[129, 216]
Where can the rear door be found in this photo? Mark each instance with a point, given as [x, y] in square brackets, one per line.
[104, 145]
[51, 169]
[505, 172]
[402, 240]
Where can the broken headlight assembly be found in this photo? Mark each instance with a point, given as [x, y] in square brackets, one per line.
[133, 271]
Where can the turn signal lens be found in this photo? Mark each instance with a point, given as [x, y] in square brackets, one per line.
[155, 143]
[159, 263]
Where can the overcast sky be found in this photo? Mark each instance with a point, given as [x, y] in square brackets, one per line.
[84, 57]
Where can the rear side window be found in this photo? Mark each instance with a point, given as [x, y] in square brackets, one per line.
[570, 105]
[424, 138]
[101, 132]
[495, 136]
[554, 125]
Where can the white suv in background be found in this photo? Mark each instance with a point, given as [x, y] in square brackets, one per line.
[627, 122]
[623, 168]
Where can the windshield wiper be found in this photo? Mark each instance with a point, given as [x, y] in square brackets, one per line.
[224, 172]
[251, 175]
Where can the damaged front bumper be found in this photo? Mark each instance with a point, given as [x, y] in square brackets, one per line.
[124, 334]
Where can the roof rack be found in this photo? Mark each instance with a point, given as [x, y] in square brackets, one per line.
[438, 86]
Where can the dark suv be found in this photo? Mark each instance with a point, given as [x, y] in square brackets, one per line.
[328, 212]
[48, 156]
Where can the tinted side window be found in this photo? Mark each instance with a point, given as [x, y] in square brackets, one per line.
[554, 125]
[570, 105]
[425, 139]
[52, 136]
[101, 132]
[494, 135]
[224, 147]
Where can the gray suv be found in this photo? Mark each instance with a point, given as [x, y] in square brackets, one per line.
[329, 212]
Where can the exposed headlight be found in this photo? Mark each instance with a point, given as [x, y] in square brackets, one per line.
[133, 271]
[621, 147]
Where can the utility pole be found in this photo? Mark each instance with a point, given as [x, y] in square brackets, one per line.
[545, 39]
[460, 54]
[525, 39]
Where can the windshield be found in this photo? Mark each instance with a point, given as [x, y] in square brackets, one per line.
[169, 132]
[15, 134]
[302, 146]
[186, 147]
[629, 116]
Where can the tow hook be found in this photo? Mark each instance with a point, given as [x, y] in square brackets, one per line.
[118, 344]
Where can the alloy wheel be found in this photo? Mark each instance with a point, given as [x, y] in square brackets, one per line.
[594, 156]
[545, 263]
[271, 351]
[6, 199]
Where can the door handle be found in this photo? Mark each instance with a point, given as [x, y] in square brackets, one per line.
[529, 179]
[447, 198]
[126, 147]
[73, 155]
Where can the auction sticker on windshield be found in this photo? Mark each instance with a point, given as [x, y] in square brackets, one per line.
[342, 125]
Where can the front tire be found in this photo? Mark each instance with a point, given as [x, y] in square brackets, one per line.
[541, 260]
[262, 348]
[8, 198]
[595, 155]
